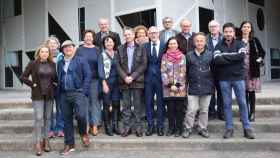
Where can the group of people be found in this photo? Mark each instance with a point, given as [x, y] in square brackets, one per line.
[124, 85]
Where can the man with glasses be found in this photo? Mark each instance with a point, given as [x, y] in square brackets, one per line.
[167, 32]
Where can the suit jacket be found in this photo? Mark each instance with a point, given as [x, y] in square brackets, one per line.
[98, 40]
[186, 45]
[162, 35]
[153, 66]
[138, 68]
[209, 44]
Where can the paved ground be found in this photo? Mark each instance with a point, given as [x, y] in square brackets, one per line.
[146, 154]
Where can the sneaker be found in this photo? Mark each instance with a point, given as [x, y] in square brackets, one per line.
[204, 133]
[51, 134]
[67, 150]
[186, 133]
[60, 134]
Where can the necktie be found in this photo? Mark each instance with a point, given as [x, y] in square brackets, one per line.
[154, 50]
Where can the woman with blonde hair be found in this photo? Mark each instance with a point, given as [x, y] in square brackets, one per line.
[42, 83]
[141, 34]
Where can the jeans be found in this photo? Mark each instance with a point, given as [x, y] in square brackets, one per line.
[196, 103]
[42, 118]
[239, 90]
[57, 122]
[74, 103]
[94, 108]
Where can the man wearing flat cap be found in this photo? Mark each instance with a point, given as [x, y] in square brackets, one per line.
[74, 77]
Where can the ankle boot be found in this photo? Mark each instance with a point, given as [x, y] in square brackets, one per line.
[46, 145]
[116, 117]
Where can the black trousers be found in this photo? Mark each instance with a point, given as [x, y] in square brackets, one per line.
[176, 108]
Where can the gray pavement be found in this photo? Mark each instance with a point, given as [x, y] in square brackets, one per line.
[146, 154]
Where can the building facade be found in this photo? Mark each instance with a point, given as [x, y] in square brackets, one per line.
[24, 24]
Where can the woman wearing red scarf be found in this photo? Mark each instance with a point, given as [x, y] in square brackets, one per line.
[173, 69]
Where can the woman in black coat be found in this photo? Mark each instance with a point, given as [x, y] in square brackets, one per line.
[253, 61]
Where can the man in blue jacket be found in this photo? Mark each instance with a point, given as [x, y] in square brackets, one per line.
[153, 83]
[74, 77]
[230, 71]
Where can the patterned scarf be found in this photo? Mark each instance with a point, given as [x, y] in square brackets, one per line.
[174, 56]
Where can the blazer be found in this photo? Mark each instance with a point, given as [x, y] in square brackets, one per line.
[162, 35]
[138, 69]
[98, 40]
[153, 66]
[32, 69]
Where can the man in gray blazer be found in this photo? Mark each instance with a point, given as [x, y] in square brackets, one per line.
[167, 32]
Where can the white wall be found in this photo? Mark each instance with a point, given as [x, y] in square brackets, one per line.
[34, 23]
[65, 12]
[94, 10]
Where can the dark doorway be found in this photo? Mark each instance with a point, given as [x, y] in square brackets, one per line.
[146, 18]
[205, 16]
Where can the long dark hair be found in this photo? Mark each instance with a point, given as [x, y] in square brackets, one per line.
[172, 38]
[251, 35]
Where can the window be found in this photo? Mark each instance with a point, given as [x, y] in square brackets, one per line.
[205, 16]
[18, 10]
[82, 22]
[275, 63]
[146, 18]
[257, 2]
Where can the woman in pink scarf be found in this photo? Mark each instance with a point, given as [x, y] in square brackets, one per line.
[173, 69]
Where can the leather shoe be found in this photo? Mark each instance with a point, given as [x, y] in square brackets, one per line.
[85, 140]
[149, 131]
[228, 133]
[125, 133]
[160, 132]
[248, 133]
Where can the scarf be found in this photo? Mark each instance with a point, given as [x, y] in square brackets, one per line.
[174, 56]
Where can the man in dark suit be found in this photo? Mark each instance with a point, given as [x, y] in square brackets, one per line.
[213, 38]
[104, 31]
[167, 32]
[185, 37]
[131, 66]
[153, 83]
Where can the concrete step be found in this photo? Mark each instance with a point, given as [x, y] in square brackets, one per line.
[26, 103]
[264, 142]
[262, 111]
[268, 125]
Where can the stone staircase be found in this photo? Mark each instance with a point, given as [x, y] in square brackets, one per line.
[16, 125]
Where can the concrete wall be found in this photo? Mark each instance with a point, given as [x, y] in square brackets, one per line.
[273, 28]
[65, 12]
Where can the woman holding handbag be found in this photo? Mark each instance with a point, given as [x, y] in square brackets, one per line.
[253, 60]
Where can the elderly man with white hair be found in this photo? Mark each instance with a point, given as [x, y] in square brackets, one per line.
[213, 38]
[185, 37]
[104, 27]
